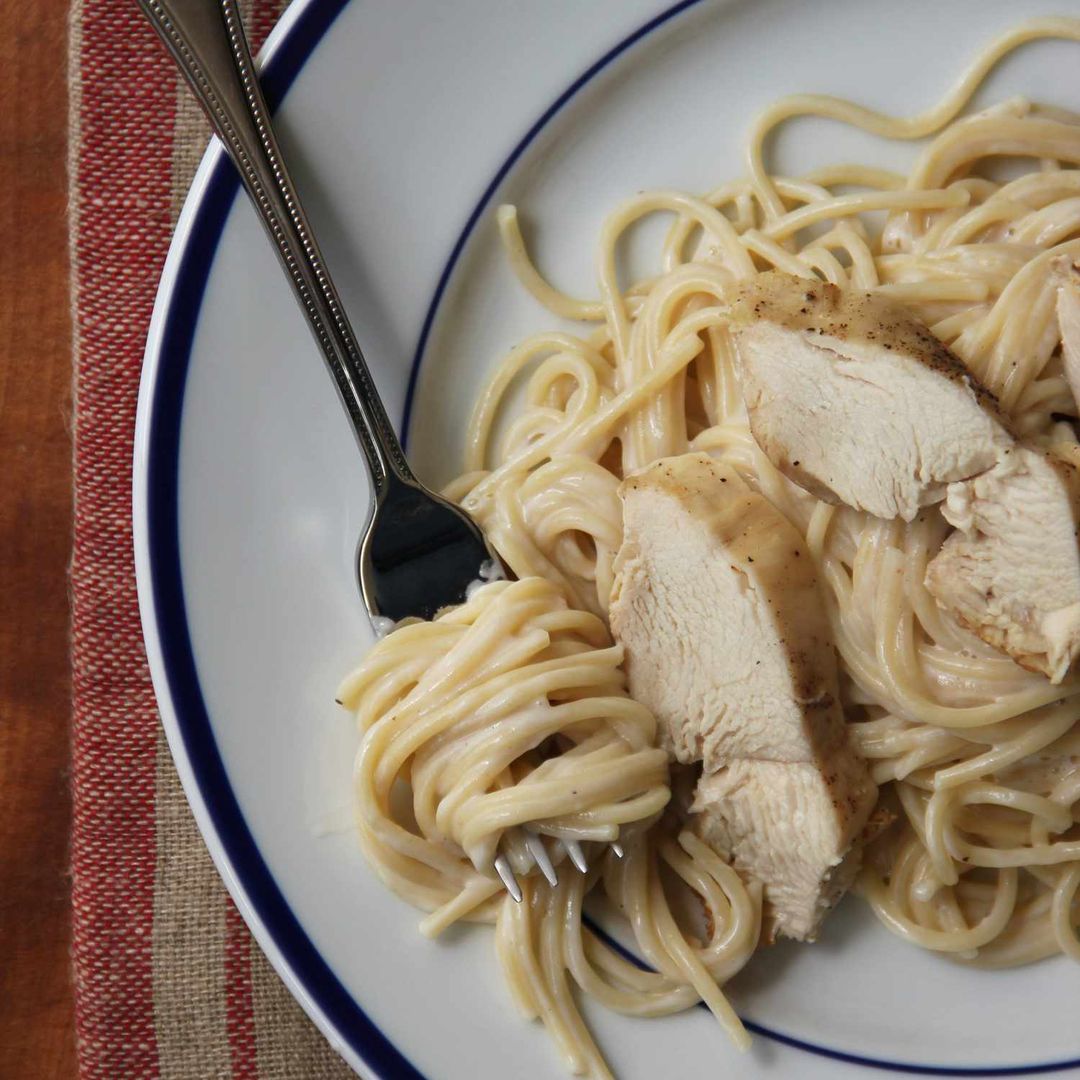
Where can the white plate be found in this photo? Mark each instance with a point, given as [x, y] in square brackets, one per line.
[409, 122]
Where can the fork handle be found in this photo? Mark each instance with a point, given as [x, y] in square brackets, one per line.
[206, 39]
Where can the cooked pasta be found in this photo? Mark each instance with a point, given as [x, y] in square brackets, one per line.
[460, 710]
[978, 758]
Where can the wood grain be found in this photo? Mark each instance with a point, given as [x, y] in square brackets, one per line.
[36, 1009]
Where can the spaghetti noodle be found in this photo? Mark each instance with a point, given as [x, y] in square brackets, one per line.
[978, 758]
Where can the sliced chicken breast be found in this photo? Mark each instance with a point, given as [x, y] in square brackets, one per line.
[1011, 571]
[716, 604]
[855, 400]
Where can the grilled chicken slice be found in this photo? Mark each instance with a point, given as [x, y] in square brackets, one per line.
[1011, 571]
[716, 604]
[855, 400]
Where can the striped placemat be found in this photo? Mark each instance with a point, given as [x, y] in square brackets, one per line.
[168, 980]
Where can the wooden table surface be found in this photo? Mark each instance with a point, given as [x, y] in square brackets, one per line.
[36, 1014]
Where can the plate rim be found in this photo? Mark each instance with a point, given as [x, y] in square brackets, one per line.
[155, 490]
[155, 514]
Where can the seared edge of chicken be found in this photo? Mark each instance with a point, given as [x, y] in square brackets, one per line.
[1011, 571]
[854, 399]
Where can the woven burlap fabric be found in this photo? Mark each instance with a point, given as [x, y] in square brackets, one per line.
[168, 980]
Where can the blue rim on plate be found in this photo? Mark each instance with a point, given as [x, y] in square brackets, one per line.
[303, 960]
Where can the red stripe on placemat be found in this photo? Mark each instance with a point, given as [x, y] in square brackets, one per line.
[121, 190]
[123, 127]
[239, 998]
[264, 15]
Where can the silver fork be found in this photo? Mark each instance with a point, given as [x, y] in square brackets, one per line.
[419, 552]
[526, 849]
